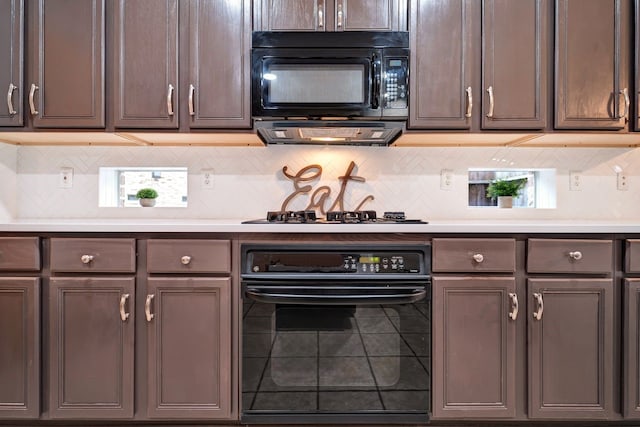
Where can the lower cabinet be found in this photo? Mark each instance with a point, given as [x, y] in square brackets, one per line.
[631, 352]
[189, 347]
[19, 347]
[571, 348]
[91, 347]
[474, 347]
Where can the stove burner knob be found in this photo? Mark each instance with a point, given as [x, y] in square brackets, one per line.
[256, 268]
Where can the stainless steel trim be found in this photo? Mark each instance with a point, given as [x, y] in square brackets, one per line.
[513, 313]
[32, 105]
[469, 101]
[540, 306]
[491, 102]
[12, 87]
[147, 308]
[123, 300]
[170, 100]
[192, 90]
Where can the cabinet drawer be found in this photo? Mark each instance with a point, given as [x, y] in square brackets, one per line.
[19, 253]
[188, 256]
[95, 255]
[470, 255]
[570, 256]
[632, 257]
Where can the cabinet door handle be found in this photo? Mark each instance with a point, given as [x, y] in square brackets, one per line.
[575, 255]
[469, 101]
[123, 301]
[170, 100]
[192, 91]
[86, 259]
[340, 15]
[185, 260]
[147, 308]
[320, 14]
[491, 104]
[12, 87]
[32, 93]
[478, 258]
[540, 306]
[625, 94]
[513, 314]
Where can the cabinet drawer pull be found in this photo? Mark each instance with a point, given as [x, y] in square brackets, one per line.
[320, 14]
[575, 255]
[147, 308]
[170, 100]
[12, 87]
[32, 93]
[478, 258]
[513, 313]
[86, 259]
[192, 91]
[491, 103]
[625, 94]
[469, 101]
[123, 301]
[340, 15]
[540, 306]
[185, 260]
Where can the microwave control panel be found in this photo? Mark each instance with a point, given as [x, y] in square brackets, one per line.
[395, 82]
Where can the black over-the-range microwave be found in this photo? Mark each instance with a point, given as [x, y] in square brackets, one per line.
[354, 75]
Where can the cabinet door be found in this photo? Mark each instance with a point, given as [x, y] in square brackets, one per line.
[20, 349]
[514, 64]
[67, 85]
[631, 354]
[472, 380]
[370, 15]
[11, 66]
[91, 339]
[146, 64]
[189, 348]
[219, 65]
[591, 64]
[441, 39]
[571, 333]
[293, 15]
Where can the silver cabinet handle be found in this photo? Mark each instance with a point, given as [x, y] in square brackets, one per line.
[478, 258]
[625, 94]
[32, 93]
[575, 255]
[123, 301]
[469, 101]
[513, 314]
[340, 15]
[185, 260]
[12, 87]
[491, 105]
[170, 100]
[147, 308]
[192, 91]
[540, 306]
[320, 14]
[86, 259]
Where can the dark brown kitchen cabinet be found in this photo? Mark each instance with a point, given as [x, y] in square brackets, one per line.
[632, 256]
[571, 348]
[631, 353]
[189, 347]
[591, 69]
[444, 43]
[91, 347]
[11, 67]
[331, 15]
[472, 380]
[515, 55]
[20, 347]
[66, 82]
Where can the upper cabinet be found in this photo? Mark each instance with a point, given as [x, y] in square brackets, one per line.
[11, 67]
[330, 15]
[592, 62]
[66, 81]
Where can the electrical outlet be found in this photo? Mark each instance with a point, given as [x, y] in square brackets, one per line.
[446, 179]
[207, 178]
[575, 181]
[622, 181]
[66, 178]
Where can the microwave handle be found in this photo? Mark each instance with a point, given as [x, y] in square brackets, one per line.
[375, 86]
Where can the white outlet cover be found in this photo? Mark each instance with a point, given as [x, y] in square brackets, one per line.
[207, 178]
[446, 179]
[65, 178]
[622, 181]
[575, 181]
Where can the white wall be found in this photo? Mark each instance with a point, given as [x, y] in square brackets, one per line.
[8, 180]
[248, 181]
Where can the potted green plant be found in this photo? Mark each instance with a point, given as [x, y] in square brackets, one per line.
[147, 197]
[505, 190]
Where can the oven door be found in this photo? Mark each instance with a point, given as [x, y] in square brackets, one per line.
[343, 352]
[316, 83]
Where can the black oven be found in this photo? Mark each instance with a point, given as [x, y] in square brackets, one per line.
[340, 74]
[338, 333]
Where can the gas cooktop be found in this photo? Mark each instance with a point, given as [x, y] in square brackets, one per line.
[334, 217]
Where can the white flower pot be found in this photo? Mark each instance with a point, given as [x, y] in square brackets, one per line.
[505, 201]
[147, 203]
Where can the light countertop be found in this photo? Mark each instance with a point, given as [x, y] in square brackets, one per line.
[121, 225]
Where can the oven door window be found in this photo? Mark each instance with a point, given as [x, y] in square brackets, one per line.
[336, 359]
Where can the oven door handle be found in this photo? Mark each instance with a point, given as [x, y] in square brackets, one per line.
[293, 298]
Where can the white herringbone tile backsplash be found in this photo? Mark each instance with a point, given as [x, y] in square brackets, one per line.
[248, 181]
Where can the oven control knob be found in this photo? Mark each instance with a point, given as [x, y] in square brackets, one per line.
[256, 268]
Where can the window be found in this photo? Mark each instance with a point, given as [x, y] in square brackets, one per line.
[538, 192]
[118, 186]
